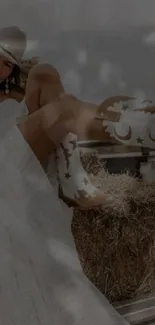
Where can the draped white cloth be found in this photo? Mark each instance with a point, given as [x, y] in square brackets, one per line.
[41, 281]
[134, 128]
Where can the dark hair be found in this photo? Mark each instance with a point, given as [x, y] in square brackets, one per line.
[12, 81]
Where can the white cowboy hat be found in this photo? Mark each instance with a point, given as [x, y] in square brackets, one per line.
[12, 44]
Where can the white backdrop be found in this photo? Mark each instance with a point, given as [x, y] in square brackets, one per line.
[78, 14]
[101, 48]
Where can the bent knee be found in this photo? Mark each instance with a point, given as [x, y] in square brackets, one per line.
[44, 73]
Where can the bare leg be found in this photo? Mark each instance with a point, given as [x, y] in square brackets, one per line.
[82, 118]
[44, 130]
[44, 87]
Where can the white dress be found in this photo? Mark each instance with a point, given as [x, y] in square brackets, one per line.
[41, 281]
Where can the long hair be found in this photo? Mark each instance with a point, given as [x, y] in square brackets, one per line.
[18, 78]
[12, 81]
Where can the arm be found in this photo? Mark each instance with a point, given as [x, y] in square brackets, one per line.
[16, 94]
[32, 93]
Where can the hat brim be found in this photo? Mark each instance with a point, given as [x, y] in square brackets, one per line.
[9, 57]
[24, 67]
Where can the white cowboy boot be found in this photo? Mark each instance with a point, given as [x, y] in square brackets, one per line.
[74, 182]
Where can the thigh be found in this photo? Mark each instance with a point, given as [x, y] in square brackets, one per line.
[81, 118]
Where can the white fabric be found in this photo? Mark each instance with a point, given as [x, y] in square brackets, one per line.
[134, 128]
[10, 113]
[41, 281]
[23, 110]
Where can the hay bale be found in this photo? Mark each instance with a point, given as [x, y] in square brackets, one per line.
[116, 246]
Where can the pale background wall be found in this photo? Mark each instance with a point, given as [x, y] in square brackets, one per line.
[101, 48]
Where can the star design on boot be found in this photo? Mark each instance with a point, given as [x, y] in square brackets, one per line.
[85, 181]
[67, 176]
[139, 140]
[66, 153]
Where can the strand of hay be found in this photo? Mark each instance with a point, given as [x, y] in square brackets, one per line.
[116, 246]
